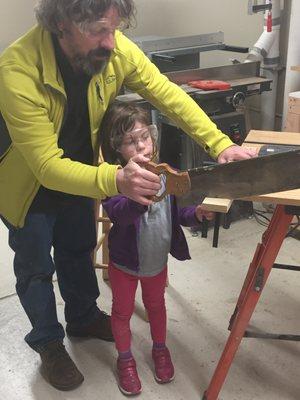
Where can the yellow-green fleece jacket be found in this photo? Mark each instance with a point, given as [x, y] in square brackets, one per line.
[33, 103]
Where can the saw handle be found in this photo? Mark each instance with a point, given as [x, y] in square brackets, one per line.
[177, 183]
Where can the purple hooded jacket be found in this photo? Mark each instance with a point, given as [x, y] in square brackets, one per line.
[125, 215]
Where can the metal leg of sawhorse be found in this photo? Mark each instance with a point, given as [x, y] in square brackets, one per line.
[216, 229]
[204, 229]
[254, 283]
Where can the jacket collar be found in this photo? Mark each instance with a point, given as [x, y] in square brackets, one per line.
[50, 71]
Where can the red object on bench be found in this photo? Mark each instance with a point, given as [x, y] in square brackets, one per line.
[210, 85]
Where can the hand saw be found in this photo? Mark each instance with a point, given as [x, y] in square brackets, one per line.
[235, 180]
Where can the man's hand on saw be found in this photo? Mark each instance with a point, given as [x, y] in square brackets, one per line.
[136, 182]
[235, 153]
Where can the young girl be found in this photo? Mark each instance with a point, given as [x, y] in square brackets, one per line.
[139, 243]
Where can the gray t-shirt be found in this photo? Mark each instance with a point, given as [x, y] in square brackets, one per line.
[154, 239]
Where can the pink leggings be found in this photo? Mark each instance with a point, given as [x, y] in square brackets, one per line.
[123, 287]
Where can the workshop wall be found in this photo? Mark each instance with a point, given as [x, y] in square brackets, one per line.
[193, 17]
[16, 18]
[161, 18]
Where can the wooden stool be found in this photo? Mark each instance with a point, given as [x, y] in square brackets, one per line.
[101, 217]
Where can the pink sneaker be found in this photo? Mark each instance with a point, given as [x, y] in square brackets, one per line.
[129, 382]
[164, 369]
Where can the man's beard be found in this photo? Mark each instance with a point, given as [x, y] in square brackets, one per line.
[90, 63]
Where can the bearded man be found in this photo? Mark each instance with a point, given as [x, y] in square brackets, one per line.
[56, 83]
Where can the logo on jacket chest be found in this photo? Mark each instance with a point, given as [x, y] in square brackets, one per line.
[110, 79]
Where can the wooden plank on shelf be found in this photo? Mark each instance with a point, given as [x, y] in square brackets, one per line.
[294, 103]
[296, 68]
[292, 123]
[272, 137]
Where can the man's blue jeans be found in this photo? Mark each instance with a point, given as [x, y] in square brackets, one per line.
[71, 232]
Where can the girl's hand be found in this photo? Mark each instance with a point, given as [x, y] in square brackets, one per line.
[200, 213]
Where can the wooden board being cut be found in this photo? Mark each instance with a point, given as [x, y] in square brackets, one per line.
[256, 139]
[216, 205]
[288, 198]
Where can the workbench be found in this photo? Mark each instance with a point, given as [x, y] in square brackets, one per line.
[287, 206]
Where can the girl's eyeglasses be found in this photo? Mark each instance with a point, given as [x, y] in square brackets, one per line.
[133, 138]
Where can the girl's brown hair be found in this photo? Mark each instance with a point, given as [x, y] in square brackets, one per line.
[119, 119]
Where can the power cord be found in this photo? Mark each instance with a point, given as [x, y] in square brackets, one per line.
[261, 218]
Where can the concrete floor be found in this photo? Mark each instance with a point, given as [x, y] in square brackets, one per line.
[200, 300]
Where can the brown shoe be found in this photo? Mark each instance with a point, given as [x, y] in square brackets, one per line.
[58, 368]
[100, 328]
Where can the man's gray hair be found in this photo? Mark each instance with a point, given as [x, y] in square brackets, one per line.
[50, 12]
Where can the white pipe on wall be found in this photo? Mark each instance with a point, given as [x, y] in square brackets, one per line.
[270, 68]
[266, 50]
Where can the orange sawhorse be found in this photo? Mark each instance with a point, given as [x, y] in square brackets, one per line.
[259, 270]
